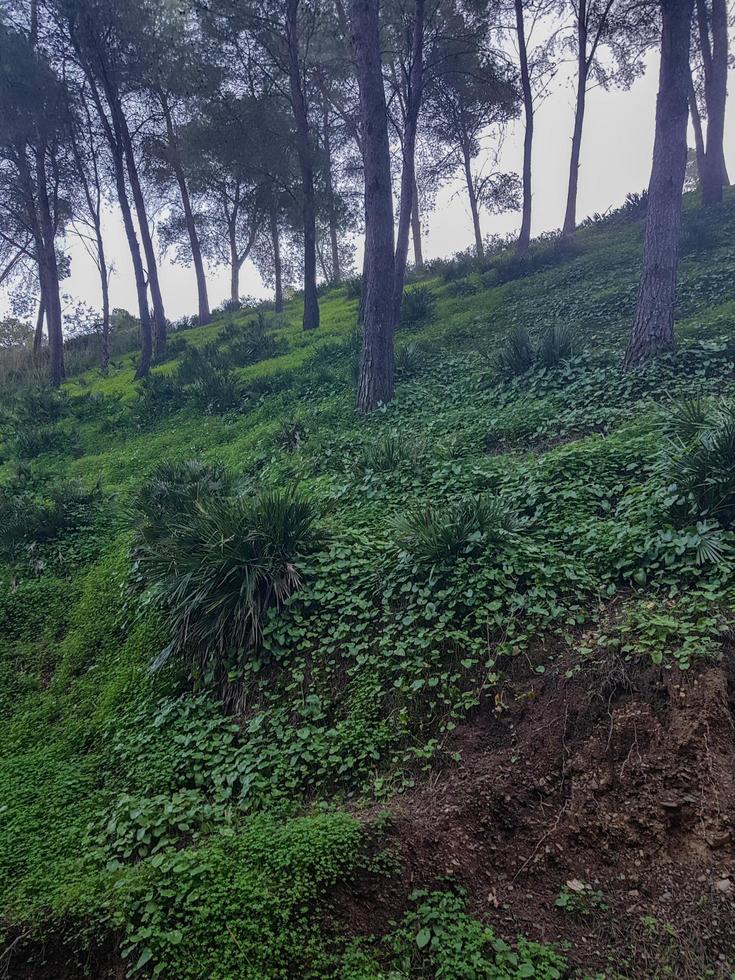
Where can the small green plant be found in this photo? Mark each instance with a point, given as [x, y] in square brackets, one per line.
[353, 287]
[408, 361]
[159, 396]
[386, 453]
[431, 534]
[175, 489]
[438, 938]
[516, 356]
[555, 346]
[216, 392]
[580, 899]
[418, 307]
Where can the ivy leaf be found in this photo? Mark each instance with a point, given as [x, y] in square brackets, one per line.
[422, 938]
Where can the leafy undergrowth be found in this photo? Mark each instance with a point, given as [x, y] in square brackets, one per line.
[522, 509]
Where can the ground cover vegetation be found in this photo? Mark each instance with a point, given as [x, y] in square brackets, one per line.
[240, 621]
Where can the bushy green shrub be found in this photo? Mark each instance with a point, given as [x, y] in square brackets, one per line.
[429, 533]
[700, 461]
[31, 514]
[408, 361]
[418, 307]
[30, 441]
[222, 566]
[555, 346]
[175, 489]
[159, 395]
[40, 404]
[216, 392]
[516, 356]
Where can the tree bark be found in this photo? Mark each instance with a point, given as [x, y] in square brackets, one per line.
[479, 247]
[524, 236]
[415, 86]
[333, 237]
[653, 325]
[570, 216]
[375, 381]
[418, 255]
[49, 273]
[159, 315]
[113, 138]
[196, 252]
[277, 264]
[697, 127]
[105, 286]
[303, 146]
[715, 89]
[38, 332]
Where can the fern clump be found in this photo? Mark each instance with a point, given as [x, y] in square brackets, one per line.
[219, 563]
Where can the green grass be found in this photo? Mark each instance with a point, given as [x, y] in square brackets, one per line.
[238, 826]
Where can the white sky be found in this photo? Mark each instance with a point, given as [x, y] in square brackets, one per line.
[616, 158]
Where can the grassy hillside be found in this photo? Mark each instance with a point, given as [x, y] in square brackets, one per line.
[486, 736]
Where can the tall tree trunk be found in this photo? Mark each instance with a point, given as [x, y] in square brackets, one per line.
[408, 171]
[113, 137]
[715, 88]
[303, 146]
[333, 237]
[697, 127]
[570, 216]
[50, 273]
[196, 251]
[524, 236]
[418, 255]
[375, 381]
[479, 247]
[277, 264]
[159, 315]
[105, 287]
[653, 325]
[38, 332]
[234, 262]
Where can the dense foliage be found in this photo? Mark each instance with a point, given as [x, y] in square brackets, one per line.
[566, 509]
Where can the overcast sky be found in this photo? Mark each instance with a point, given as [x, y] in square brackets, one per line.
[616, 159]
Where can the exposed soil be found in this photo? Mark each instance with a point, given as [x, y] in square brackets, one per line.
[625, 784]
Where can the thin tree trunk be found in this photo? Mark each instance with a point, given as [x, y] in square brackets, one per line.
[333, 238]
[277, 264]
[408, 171]
[479, 247]
[570, 216]
[653, 326]
[159, 315]
[375, 382]
[234, 262]
[715, 88]
[38, 333]
[50, 273]
[196, 251]
[418, 255]
[697, 127]
[524, 236]
[303, 145]
[114, 141]
[105, 286]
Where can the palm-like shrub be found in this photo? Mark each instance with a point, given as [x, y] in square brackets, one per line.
[700, 461]
[176, 488]
[221, 567]
[516, 356]
[555, 346]
[418, 307]
[430, 534]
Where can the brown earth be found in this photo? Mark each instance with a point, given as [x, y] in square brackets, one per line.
[626, 784]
